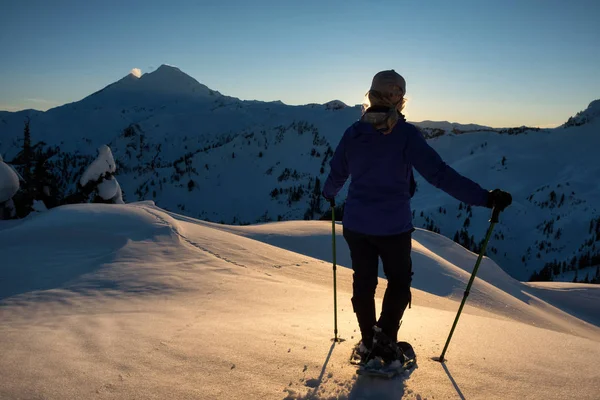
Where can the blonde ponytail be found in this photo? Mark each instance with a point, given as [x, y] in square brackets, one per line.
[382, 120]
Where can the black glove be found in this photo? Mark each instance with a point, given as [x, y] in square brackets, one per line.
[499, 199]
[330, 201]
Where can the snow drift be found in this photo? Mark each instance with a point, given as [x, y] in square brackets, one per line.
[129, 301]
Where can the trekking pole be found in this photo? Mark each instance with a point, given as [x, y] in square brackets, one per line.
[493, 221]
[335, 329]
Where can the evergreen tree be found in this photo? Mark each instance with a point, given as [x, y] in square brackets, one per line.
[24, 161]
[27, 156]
[43, 181]
[315, 201]
[545, 273]
[191, 185]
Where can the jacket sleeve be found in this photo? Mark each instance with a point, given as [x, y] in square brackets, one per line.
[431, 166]
[338, 173]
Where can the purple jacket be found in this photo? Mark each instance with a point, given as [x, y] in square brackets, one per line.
[382, 182]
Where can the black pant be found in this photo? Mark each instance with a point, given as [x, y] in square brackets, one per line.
[394, 251]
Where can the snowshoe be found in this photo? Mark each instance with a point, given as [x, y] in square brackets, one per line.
[385, 359]
[375, 366]
[360, 354]
[385, 348]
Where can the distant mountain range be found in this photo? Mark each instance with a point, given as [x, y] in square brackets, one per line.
[196, 151]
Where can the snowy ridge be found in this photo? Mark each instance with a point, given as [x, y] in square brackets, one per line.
[335, 105]
[453, 126]
[106, 296]
[221, 159]
[589, 114]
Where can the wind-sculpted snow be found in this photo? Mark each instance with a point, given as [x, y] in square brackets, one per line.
[130, 301]
[73, 245]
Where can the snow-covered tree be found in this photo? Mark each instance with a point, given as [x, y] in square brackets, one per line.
[99, 175]
[9, 185]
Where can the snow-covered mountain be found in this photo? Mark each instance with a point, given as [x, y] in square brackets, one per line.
[585, 116]
[131, 301]
[193, 150]
[160, 87]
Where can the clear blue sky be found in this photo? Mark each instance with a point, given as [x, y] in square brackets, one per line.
[501, 63]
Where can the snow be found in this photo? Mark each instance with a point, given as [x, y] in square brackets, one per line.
[170, 79]
[131, 301]
[10, 210]
[104, 166]
[101, 166]
[39, 206]
[335, 105]
[9, 182]
[165, 84]
[450, 126]
[206, 128]
[109, 189]
[590, 113]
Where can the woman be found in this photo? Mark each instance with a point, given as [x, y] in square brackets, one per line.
[379, 152]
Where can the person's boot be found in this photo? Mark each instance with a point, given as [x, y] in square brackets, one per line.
[364, 351]
[385, 347]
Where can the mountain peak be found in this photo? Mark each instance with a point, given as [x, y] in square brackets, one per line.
[168, 79]
[594, 107]
[335, 105]
[168, 67]
[130, 77]
[166, 70]
[583, 117]
[165, 81]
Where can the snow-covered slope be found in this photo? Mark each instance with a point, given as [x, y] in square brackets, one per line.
[589, 114]
[130, 301]
[195, 151]
[552, 176]
[441, 268]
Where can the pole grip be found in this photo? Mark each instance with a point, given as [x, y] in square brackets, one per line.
[495, 215]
